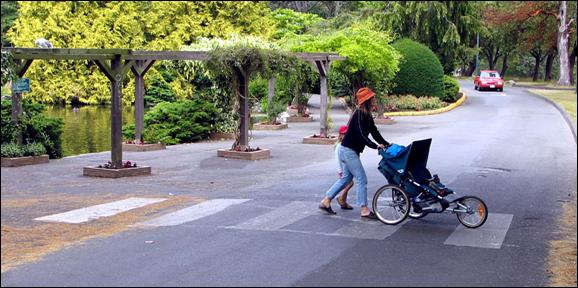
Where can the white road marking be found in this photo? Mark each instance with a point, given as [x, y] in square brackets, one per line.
[280, 217]
[98, 211]
[192, 213]
[490, 235]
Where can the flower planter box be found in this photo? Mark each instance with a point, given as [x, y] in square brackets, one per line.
[384, 121]
[221, 136]
[21, 161]
[292, 111]
[299, 119]
[264, 126]
[94, 171]
[255, 155]
[314, 139]
[143, 147]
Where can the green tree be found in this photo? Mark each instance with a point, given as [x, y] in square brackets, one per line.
[371, 60]
[150, 25]
[446, 27]
[9, 14]
[289, 22]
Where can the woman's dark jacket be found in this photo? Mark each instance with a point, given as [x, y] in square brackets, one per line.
[359, 127]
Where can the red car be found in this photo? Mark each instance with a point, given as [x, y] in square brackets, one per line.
[489, 79]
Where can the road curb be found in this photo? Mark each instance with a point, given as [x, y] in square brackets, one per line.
[561, 110]
[430, 112]
[543, 87]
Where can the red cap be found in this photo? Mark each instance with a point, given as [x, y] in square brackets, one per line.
[343, 129]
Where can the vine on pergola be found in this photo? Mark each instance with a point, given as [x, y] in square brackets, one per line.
[239, 62]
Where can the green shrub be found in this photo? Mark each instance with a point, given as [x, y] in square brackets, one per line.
[34, 149]
[11, 150]
[394, 103]
[159, 91]
[420, 71]
[258, 89]
[183, 121]
[451, 89]
[34, 126]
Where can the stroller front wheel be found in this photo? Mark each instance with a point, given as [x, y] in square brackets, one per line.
[391, 204]
[477, 212]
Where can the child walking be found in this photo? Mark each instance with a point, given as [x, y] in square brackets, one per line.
[342, 198]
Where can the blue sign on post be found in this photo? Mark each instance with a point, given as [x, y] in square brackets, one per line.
[21, 85]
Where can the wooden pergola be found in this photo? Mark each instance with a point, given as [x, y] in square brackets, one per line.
[115, 64]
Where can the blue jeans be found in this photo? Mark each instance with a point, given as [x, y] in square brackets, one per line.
[352, 169]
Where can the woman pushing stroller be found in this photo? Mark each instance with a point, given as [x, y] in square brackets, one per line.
[356, 138]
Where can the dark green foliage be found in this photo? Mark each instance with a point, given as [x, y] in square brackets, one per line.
[420, 71]
[183, 121]
[9, 14]
[258, 89]
[34, 126]
[451, 89]
[159, 91]
[339, 84]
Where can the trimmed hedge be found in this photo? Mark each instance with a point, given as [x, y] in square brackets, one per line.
[171, 123]
[393, 103]
[420, 71]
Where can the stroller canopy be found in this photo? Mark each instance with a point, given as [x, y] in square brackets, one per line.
[410, 160]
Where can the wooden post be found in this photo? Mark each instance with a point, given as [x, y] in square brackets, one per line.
[116, 116]
[17, 97]
[243, 108]
[115, 73]
[139, 68]
[271, 93]
[323, 68]
[139, 107]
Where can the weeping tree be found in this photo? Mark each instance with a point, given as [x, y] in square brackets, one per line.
[237, 63]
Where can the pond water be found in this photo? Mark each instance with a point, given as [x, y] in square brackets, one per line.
[87, 129]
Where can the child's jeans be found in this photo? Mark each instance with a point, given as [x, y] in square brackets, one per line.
[352, 169]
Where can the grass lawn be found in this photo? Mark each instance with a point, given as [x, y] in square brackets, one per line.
[566, 99]
[525, 81]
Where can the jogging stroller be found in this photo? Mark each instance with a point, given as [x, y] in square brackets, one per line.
[413, 191]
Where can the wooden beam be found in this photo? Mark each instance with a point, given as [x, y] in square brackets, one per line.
[23, 67]
[168, 55]
[105, 68]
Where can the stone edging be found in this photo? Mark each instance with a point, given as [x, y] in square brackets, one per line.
[430, 112]
[417, 113]
[561, 110]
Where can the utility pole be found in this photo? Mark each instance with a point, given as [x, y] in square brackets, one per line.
[478, 54]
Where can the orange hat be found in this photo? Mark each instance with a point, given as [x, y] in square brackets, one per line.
[363, 95]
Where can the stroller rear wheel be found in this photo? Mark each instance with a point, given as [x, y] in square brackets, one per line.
[391, 204]
[477, 212]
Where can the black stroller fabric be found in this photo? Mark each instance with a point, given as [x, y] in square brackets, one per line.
[410, 162]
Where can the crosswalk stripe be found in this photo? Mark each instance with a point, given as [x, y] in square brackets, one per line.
[490, 235]
[280, 217]
[98, 211]
[192, 213]
[362, 230]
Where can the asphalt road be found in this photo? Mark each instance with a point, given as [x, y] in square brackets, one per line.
[512, 149]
